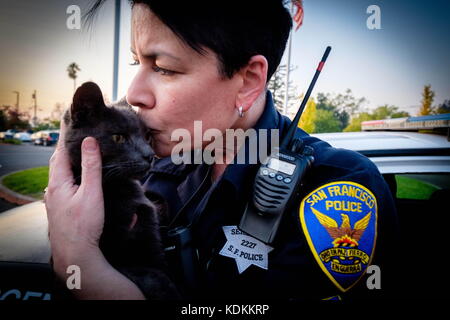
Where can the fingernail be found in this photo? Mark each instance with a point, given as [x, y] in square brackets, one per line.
[90, 144]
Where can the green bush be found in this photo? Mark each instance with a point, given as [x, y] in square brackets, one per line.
[12, 141]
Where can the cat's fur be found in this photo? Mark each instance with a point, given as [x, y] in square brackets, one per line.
[126, 157]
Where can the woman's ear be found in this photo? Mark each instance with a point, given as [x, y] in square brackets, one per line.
[254, 78]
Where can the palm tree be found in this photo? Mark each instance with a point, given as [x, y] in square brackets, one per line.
[72, 70]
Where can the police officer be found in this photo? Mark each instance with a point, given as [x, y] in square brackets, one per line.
[210, 61]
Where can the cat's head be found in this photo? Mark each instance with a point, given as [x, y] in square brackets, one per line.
[122, 136]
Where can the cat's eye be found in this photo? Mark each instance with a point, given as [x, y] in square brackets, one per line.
[118, 138]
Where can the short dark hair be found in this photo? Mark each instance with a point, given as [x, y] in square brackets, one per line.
[235, 30]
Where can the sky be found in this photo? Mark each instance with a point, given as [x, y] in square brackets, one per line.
[386, 66]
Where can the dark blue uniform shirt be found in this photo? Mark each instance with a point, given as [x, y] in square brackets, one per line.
[292, 272]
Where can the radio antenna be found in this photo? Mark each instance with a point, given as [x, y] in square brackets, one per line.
[291, 131]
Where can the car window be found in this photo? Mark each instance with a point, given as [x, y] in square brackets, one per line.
[421, 186]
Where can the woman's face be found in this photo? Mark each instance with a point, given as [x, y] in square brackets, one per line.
[175, 85]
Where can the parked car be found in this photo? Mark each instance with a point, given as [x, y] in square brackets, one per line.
[8, 134]
[23, 136]
[45, 137]
[33, 136]
[416, 167]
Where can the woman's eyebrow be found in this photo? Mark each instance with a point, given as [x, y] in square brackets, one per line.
[155, 54]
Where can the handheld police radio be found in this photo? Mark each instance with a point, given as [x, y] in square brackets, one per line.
[279, 178]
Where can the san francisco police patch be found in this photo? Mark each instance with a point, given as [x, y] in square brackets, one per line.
[339, 220]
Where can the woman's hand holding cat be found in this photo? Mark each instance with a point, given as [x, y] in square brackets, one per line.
[75, 222]
[75, 213]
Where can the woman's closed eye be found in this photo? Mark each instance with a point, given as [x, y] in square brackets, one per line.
[163, 71]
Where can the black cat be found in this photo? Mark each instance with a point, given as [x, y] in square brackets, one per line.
[130, 240]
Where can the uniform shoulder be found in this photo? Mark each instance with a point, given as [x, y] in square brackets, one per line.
[336, 164]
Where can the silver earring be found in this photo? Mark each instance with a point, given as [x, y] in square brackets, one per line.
[241, 112]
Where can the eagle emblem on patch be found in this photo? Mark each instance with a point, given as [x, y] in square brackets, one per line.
[339, 221]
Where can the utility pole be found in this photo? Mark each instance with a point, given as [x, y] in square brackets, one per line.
[116, 50]
[288, 68]
[35, 108]
[17, 101]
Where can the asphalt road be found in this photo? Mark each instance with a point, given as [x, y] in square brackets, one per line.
[20, 157]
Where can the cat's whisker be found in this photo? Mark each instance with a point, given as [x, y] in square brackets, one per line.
[124, 163]
[111, 173]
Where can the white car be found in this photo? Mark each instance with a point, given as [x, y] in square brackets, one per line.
[416, 167]
[396, 152]
[8, 134]
[23, 136]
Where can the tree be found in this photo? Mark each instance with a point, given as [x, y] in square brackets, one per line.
[55, 124]
[57, 112]
[3, 121]
[324, 103]
[343, 106]
[388, 112]
[348, 103]
[47, 124]
[307, 121]
[443, 107]
[382, 112]
[72, 70]
[15, 120]
[400, 114]
[325, 121]
[427, 101]
[277, 85]
[355, 123]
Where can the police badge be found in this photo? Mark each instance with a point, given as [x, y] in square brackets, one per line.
[339, 221]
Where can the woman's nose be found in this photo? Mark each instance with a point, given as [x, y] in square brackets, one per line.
[140, 93]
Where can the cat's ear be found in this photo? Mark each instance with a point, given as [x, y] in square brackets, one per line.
[88, 105]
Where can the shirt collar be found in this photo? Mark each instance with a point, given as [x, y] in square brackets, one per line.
[166, 165]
